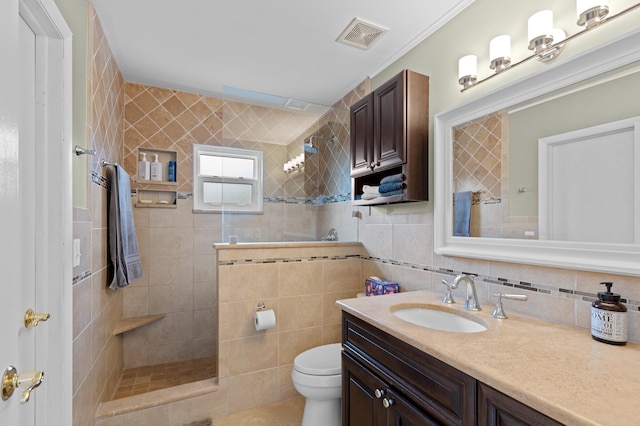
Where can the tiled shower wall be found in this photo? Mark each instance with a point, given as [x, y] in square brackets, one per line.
[97, 355]
[175, 245]
[481, 165]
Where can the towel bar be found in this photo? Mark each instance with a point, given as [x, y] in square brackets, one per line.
[108, 163]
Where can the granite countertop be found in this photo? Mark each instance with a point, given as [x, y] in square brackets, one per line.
[558, 370]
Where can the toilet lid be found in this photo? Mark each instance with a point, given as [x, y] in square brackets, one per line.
[320, 361]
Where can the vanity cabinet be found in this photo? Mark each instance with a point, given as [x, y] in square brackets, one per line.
[497, 409]
[386, 381]
[389, 134]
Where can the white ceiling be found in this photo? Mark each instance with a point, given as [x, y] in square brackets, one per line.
[244, 49]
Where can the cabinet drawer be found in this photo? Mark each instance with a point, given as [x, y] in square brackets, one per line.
[439, 389]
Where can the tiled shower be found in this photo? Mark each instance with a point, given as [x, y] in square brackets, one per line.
[175, 244]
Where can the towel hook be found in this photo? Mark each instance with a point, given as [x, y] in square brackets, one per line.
[83, 151]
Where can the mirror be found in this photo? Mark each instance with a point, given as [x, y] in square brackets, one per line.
[508, 161]
[508, 112]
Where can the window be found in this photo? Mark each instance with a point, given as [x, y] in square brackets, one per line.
[227, 180]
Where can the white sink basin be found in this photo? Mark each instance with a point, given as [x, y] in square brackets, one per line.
[431, 317]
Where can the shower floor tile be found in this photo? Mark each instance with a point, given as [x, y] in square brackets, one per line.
[135, 381]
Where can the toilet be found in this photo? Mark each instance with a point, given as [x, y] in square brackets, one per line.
[317, 375]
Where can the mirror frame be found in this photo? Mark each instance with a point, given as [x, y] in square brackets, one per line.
[600, 257]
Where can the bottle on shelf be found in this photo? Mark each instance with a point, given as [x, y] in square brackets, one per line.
[144, 167]
[156, 169]
[171, 171]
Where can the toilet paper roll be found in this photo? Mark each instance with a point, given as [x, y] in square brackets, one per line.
[264, 319]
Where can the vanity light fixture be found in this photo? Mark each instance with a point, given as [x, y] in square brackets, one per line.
[294, 164]
[500, 53]
[592, 12]
[545, 41]
[540, 31]
[468, 70]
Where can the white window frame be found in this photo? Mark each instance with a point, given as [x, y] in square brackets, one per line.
[198, 180]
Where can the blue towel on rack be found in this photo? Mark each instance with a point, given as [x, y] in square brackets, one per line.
[461, 213]
[123, 241]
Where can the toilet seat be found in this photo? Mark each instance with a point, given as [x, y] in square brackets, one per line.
[320, 361]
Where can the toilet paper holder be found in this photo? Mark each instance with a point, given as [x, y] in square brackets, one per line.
[261, 306]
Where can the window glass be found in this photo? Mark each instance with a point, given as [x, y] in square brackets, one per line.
[216, 193]
[227, 180]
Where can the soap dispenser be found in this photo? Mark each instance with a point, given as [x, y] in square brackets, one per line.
[156, 169]
[609, 318]
[144, 170]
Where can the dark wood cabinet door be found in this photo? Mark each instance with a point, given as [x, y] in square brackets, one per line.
[360, 405]
[498, 409]
[389, 121]
[362, 136]
[403, 413]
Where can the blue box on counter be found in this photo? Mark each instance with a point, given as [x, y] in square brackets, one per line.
[375, 286]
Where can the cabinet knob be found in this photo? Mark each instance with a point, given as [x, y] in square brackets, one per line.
[388, 402]
[379, 393]
[373, 165]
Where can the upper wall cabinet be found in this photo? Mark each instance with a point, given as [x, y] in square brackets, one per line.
[389, 136]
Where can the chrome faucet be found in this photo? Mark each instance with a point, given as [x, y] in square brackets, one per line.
[471, 304]
[332, 236]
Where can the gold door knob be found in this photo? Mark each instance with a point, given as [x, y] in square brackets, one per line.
[31, 319]
[11, 380]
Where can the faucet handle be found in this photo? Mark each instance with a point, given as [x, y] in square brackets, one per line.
[498, 312]
[448, 296]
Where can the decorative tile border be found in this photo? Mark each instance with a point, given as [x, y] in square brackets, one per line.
[520, 285]
[81, 277]
[315, 201]
[100, 180]
[287, 259]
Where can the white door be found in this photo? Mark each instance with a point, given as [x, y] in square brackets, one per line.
[35, 210]
[589, 185]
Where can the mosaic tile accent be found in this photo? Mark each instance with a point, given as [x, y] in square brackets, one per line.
[135, 381]
[287, 259]
[506, 282]
[82, 276]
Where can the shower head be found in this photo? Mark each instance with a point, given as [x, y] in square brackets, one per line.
[310, 148]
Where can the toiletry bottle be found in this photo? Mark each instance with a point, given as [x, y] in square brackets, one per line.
[156, 169]
[144, 168]
[609, 318]
[171, 171]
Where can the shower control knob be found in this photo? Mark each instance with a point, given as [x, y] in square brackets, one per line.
[388, 402]
[379, 393]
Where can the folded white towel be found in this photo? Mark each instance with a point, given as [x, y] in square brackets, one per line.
[370, 189]
[369, 196]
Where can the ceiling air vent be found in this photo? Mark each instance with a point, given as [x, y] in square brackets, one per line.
[361, 34]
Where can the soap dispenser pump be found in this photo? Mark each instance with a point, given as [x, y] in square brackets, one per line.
[156, 169]
[609, 318]
[144, 167]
